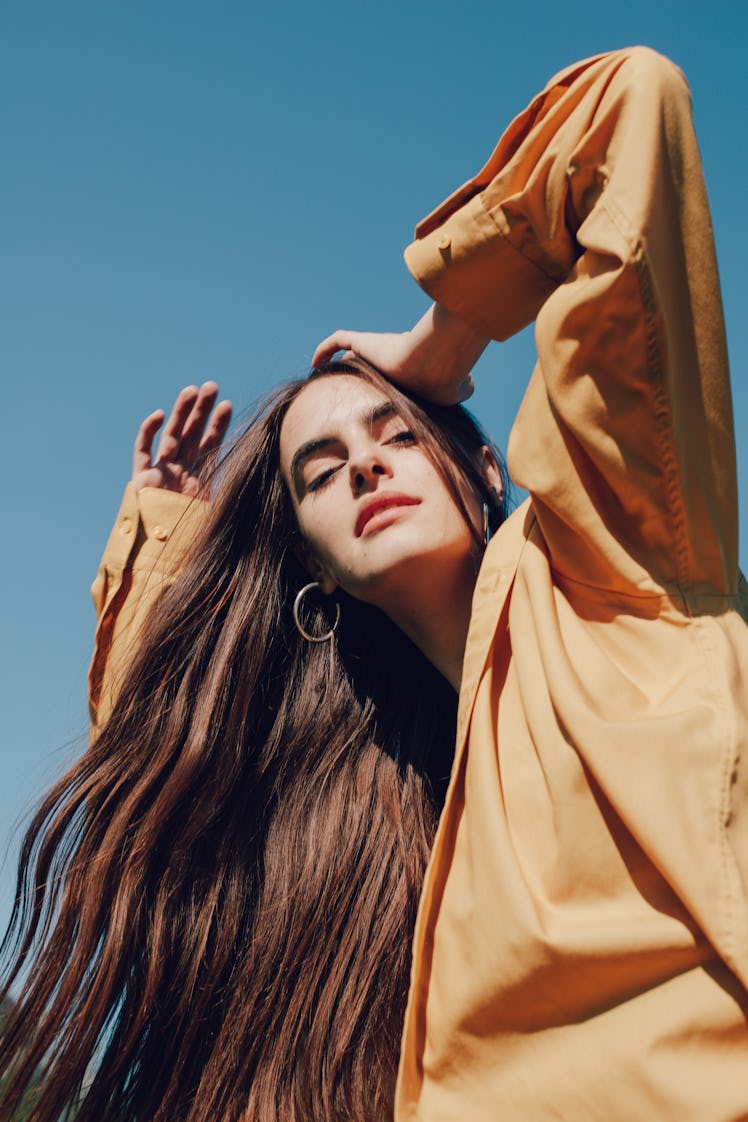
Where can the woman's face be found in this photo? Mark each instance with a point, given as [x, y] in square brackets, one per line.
[373, 511]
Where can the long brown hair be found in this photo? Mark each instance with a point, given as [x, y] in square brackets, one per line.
[219, 897]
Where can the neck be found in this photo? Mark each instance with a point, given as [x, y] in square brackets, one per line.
[435, 615]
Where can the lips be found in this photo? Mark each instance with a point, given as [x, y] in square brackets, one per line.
[378, 503]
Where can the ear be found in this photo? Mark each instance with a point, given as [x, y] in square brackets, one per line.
[489, 469]
[315, 568]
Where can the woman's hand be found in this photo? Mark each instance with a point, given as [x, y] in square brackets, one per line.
[433, 359]
[194, 428]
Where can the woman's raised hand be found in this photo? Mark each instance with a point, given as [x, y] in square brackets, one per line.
[433, 359]
[194, 427]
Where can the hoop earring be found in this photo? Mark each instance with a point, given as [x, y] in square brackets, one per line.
[486, 527]
[300, 627]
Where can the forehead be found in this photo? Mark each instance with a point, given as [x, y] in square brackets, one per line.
[326, 406]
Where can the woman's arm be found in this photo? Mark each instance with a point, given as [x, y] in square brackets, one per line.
[591, 217]
[152, 533]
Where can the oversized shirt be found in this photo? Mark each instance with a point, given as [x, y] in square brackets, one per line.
[581, 950]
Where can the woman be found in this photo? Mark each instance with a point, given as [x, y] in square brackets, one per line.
[239, 856]
[581, 947]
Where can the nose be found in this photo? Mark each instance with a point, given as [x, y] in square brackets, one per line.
[366, 468]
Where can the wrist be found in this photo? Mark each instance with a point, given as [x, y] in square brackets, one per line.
[444, 349]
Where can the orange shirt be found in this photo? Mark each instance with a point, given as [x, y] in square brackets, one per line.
[581, 951]
[143, 556]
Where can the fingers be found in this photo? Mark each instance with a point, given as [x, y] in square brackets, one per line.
[141, 455]
[338, 341]
[205, 427]
[193, 428]
[171, 435]
[216, 430]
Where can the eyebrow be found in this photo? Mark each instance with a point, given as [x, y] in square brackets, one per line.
[309, 447]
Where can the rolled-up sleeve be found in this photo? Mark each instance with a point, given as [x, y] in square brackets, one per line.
[591, 217]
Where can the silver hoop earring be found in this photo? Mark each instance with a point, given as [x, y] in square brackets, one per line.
[486, 527]
[300, 627]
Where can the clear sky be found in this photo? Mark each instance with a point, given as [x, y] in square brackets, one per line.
[194, 190]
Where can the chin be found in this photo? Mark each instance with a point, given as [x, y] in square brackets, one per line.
[393, 565]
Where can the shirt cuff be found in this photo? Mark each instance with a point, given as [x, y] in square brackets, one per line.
[469, 266]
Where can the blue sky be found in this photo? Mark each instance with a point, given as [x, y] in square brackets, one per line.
[194, 190]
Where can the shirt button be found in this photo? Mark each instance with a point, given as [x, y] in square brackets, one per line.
[444, 242]
[125, 526]
[160, 534]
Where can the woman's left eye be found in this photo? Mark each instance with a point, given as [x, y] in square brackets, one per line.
[404, 437]
[319, 482]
